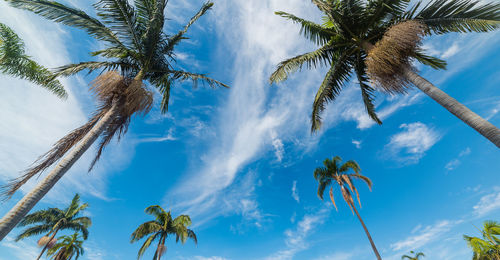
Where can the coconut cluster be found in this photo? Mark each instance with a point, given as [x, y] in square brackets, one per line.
[391, 56]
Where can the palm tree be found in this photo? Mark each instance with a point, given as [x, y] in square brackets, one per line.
[334, 173]
[136, 45]
[416, 256]
[488, 247]
[378, 40]
[67, 248]
[15, 62]
[53, 220]
[160, 228]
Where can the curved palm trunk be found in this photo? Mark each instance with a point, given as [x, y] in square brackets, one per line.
[480, 124]
[12, 218]
[47, 245]
[367, 233]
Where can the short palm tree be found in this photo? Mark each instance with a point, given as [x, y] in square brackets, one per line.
[53, 220]
[136, 45]
[487, 247]
[15, 62]
[416, 256]
[378, 41]
[342, 175]
[67, 247]
[160, 228]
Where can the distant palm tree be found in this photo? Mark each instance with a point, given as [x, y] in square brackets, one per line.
[67, 247]
[160, 228]
[53, 220]
[378, 40]
[416, 256]
[488, 247]
[342, 175]
[136, 45]
[15, 62]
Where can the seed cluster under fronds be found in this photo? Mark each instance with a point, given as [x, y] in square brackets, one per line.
[391, 56]
[129, 95]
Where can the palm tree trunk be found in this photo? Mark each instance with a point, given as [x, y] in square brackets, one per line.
[367, 233]
[47, 245]
[479, 124]
[12, 218]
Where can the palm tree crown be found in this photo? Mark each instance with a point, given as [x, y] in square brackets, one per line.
[67, 247]
[160, 228]
[54, 219]
[15, 62]
[487, 247]
[353, 29]
[135, 45]
[334, 173]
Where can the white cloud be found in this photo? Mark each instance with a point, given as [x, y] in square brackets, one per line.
[487, 204]
[424, 236]
[23, 249]
[338, 256]
[357, 143]
[279, 149]
[296, 239]
[169, 136]
[453, 164]
[451, 51]
[295, 192]
[410, 145]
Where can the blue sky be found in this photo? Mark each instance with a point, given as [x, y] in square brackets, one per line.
[240, 161]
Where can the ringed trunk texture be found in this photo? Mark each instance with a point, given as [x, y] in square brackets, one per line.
[367, 233]
[479, 124]
[47, 245]
[16, 214]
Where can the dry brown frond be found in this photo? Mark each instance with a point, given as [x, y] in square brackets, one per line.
[45, 241]
[391, 56]
[161, 250]
[130, 96]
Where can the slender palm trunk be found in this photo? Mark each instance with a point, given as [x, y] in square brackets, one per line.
[479, 124]
[158, 250]
[12, 218]
[367, 233]
[47, 245]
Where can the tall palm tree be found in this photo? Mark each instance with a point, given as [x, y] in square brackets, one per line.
[487, 247]
[378, 40]
[416, 256]
[53, 220]
[136, 45]
[334, 173]
[15, 62]
[67, 247]
[160, 228]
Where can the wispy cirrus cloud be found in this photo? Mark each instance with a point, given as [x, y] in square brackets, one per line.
[296, 239]
[487, 204]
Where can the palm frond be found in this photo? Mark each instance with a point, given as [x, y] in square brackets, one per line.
[42, 216]
[34, 231]
[431, 61]
[312, 31]
[350, 165]
[119, 15]
[145, 229]
[77, 227]
[195, 78]
[319, 57]
[147, 244]
[71, 69]
[176, 38]
[330, 88]
[367, 92]
[15, 62]
[68, 16]
[444, 16]
[363, 178]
